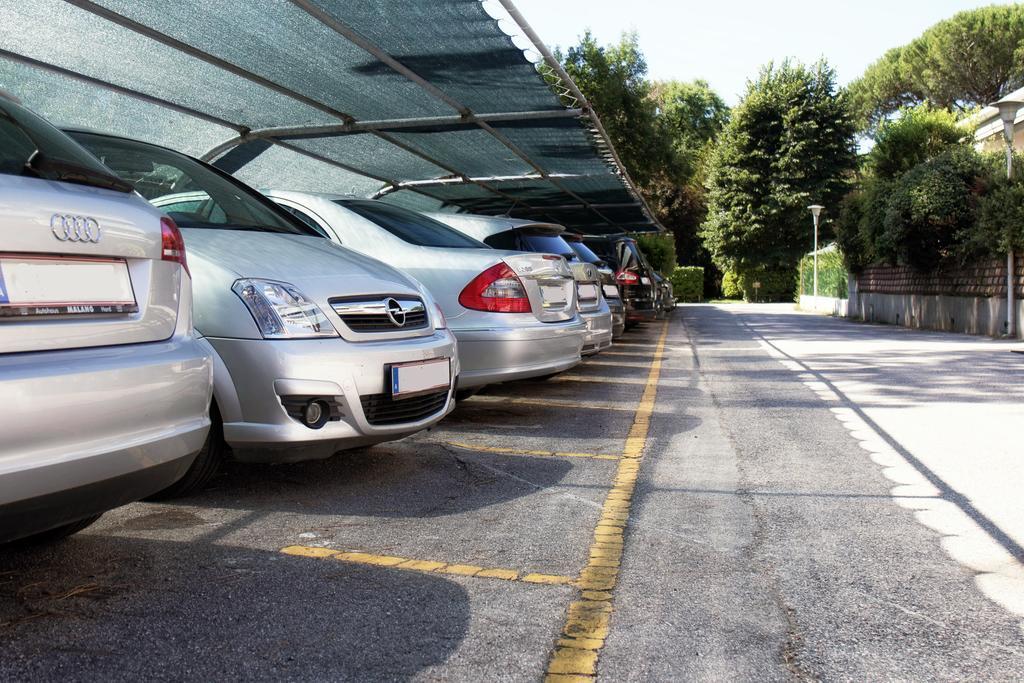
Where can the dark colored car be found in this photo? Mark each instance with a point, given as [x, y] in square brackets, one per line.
[665, 299]
[608, 285]
[633, 275]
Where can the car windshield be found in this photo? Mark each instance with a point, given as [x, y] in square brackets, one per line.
[193, 194]
[31, 146]
[409, 226]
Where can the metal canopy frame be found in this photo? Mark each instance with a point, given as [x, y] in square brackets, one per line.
[463, 117]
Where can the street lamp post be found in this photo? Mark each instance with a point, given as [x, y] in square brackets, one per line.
[1008, 113]
[816, 213]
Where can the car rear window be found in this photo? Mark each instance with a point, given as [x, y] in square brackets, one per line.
[409, 226]
[524, 240]
[585, 253]
[192, 193]
[57, 157]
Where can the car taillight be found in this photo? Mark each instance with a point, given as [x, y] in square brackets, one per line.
[173, 243]
[626, 277]
[498, 290]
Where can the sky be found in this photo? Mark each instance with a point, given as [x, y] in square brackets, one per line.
[726, 41]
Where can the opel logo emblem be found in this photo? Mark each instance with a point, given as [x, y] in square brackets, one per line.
[396, 314]
[69, 228]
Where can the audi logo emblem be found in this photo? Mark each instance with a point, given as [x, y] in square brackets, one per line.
[69, 228]
[396, 314]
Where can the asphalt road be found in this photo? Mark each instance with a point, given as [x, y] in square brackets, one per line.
[741, 493]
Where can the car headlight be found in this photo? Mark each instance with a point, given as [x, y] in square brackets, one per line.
[281, 311]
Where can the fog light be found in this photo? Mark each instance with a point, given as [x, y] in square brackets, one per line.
[316, 414]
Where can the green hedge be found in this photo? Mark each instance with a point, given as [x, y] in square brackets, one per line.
[660, 250]
[832, 275]
[775, 284]
[688, 283]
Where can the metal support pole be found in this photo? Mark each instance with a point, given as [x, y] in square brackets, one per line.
[815, 260]
[1011, 304]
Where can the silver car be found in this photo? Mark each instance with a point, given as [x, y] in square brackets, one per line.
[502, 232]
[318, 348]
[514, 314]
[105, 387]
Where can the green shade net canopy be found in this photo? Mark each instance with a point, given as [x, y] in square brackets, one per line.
[440, 105]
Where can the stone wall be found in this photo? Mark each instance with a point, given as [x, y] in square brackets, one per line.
[970, 300]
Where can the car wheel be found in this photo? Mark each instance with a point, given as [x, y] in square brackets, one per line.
[57, 533]
[205, 466]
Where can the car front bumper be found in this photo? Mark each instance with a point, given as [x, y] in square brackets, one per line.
[502, 354]
[88, 430]
[254, 376]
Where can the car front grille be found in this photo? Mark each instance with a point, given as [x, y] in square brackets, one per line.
[382, 410]
[386, 314]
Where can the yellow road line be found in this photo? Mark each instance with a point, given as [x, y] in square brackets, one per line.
[587, 621]
[429, 566]
[521, 452]
[549, 403]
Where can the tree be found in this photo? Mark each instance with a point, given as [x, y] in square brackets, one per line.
[663, 133]
[788, 144]
[969, 60]
[918, 134]
[933, 208]
[694, 115]
[613, 79]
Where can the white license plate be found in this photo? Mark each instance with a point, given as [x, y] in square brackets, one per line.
[408, 379]
[645, 280]
[32, 285]
[610, 291]
[553, 295]
[588, 292]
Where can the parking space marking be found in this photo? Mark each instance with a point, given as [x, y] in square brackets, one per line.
[588, 619]
[596, 379]
[526, 453]
[635, 354]
[553, 403]
[615, 364]
[429, 566]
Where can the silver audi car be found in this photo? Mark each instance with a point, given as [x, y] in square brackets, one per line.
[501, 232]
[514, 314]
[105, 387]
[317, 348]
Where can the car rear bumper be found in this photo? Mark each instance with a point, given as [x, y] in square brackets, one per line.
[502, 354]
[88, 430]
[599, 330]
[640, 309]
[618, 317]
[255, 376]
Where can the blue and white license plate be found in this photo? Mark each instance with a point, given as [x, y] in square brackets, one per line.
[420, 377]
[34, 285]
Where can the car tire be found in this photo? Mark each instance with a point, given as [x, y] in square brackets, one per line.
[57, 533]
[463, 394]
[206, 464]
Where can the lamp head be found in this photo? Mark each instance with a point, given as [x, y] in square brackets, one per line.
[815, 209]
[1008, 109]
